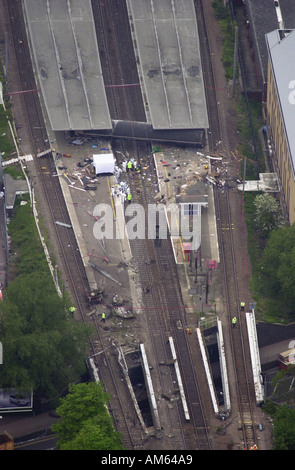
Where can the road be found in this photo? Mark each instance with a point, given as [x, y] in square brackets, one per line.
[38, 443]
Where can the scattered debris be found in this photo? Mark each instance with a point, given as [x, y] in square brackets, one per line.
[91, 313]
[63, 224]
[96, 296]
[104, 273]
[179, 325]
[167, 363]
[78, 142]
[117, 300]
[169, 397]
[123, 313]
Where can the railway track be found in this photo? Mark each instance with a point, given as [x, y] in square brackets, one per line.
[44, 166]
[238, 334]
[226, 201]
[214, 132]
[166, 311]
[69, 255]
[118, 60]
[164, 302]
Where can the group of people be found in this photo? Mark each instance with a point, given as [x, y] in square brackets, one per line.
[121, 189]
[131, 165]
[73, 309]
[234, 320]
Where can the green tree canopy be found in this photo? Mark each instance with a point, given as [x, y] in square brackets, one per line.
[43, 347]
[85, 423]
[284, 428]
[278, 267]
[267, 214]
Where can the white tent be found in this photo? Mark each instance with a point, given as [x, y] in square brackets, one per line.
[104, 163]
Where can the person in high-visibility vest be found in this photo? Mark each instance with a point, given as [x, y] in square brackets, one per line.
[129, 166]
[242, 305]
[129, 197]
[72, 310]
[103, 317]
[234, 321]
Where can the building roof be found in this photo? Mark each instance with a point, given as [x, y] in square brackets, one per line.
[67, 63]
[287, 8]
[167, 43]
[264, 16]
[281, 47]
[13, 188]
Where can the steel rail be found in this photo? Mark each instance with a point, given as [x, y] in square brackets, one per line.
[53, 193]
[168, 303]
[157, 315]
[238, 338]
[238, 342]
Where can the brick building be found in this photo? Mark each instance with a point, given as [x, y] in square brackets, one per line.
[280, 114]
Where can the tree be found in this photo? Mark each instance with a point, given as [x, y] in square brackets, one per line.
[278, 267]
[43, 347]
[85, 423]
[284, 428]
[267, 214]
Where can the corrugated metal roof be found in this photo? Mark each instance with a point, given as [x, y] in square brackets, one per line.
[67, 62]
[168, 46]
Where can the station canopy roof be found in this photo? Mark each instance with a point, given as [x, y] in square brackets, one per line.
[64, 46]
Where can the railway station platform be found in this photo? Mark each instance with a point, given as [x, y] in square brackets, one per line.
[180, 173]
[107, 260]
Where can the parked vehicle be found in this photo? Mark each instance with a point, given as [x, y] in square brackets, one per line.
[287, 358]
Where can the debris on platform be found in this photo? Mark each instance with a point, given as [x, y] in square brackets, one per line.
[97, 268]
[95, 296]
[122, 313]
[117, 300]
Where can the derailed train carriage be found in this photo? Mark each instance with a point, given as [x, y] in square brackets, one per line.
[143, 131]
